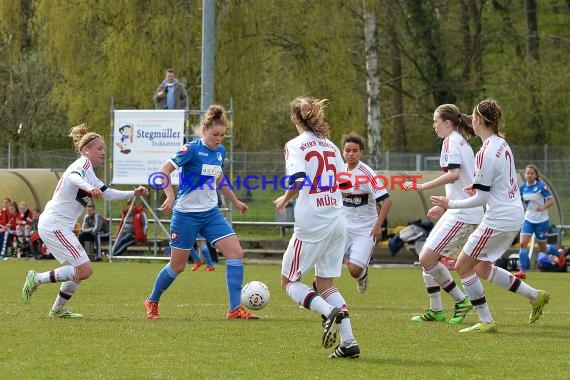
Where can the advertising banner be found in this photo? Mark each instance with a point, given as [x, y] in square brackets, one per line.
[143, 140]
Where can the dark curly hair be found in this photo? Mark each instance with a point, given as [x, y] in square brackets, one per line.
[490, 111]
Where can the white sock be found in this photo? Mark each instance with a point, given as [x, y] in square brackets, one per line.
[434, 292]
[443, 277]
[506, 280]
[61, 274]
[308, 298]
[333, 297]
[476, 294]
[66, 290]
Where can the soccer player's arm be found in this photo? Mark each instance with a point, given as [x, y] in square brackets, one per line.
[383, 206]
[295, 166]
[548, 197]
[481, 185]
[453, 167]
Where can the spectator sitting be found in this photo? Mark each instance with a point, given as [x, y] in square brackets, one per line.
[171, 94]
[4, 212]
[10, 223]
[93, 226]
[132, 228]
[3, 227]
[23, 221]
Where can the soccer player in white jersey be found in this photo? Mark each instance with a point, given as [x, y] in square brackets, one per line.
[454, 226]
[195, 211]
[73, 192]
[313, 163]
[495, 185]
[366, 205]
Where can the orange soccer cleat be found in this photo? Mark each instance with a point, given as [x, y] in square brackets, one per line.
[151, 308]
[197, 265]
[240, 313]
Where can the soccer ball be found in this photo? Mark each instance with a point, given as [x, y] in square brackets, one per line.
[255, 295]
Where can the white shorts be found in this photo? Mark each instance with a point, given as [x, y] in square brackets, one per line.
[64, 246]
[325, 255]
[359, 249]
[448, 236]
[487, 244]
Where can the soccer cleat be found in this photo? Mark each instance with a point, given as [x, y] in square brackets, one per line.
[362, 282]
[210, 268]
[481, 327]
[197, 265]
[30, 286]
[240, 313]
[151, 308]
[461, 310]
[520, 275]
[331, 325]
[64, 314]
[430, 316]
[538, 305]
[350, 352]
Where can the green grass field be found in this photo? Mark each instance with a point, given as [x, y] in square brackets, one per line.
[193, 340]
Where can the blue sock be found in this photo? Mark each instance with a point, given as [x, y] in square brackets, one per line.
[206, 255]
[195, 256]
[165, 278]
[234, 280]
[524, 262]
[552, 250]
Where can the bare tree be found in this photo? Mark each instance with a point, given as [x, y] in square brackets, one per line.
[374, 123]
[531, 29]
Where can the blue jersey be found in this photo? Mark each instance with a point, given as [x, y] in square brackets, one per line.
[533, 196]
[199, 168]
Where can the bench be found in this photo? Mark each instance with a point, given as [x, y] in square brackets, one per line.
[136, 248]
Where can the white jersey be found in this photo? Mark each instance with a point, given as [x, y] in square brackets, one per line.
[71, 195]
[456, 153]
[495, 172]
[360, 200]
[316, 162]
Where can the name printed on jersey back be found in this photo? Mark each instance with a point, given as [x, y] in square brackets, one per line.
[325, 201]
[310, 144]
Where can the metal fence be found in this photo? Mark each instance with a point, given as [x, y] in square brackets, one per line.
[553, 161]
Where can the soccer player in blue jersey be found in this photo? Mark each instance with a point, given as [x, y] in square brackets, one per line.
[537, 198]
[195, 211]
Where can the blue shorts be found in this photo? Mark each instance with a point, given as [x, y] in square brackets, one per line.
[540, 230]
[185, 227]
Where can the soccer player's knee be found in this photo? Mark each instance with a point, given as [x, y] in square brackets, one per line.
[84, 272]
[354, 270]
[178, 267]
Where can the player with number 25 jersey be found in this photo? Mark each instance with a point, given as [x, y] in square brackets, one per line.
[313, 163]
